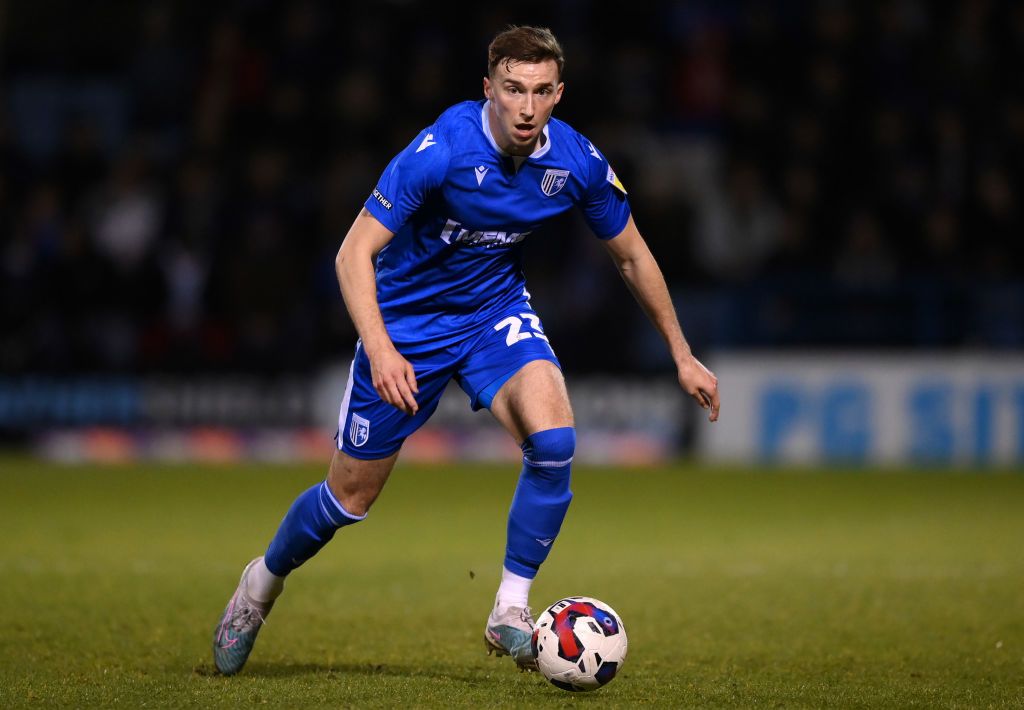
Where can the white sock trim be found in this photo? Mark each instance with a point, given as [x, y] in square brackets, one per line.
[262, 585]
[548, 464]
[513, 591]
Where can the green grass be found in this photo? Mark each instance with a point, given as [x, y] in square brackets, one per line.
[850, 589]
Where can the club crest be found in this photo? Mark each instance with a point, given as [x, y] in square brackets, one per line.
[553, 181]
[358, 430]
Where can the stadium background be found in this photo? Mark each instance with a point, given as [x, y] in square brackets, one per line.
[832, 189]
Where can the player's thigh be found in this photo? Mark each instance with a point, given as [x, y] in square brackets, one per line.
[369, 428]
[534, 399]
[512, 370]
[356, 483]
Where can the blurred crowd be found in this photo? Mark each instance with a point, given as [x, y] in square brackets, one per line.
[175, 178]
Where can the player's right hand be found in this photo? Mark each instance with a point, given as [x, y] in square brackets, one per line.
[395, 380]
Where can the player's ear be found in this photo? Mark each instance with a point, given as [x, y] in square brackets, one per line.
[558, 91]
[487, 88]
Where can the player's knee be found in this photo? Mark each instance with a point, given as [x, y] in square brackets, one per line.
[551, 450]
[356, 504]
[354, 496]
[356, 484]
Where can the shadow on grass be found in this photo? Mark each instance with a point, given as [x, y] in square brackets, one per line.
[471, 679]
[340, 670]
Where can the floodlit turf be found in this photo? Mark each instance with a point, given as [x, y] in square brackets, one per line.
[849, 589]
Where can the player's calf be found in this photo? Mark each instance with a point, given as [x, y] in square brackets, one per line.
[309, 525]
[541, 499]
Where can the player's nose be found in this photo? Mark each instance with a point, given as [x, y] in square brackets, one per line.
[526, 108]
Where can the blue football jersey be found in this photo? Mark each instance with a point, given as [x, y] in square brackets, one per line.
[460, 211]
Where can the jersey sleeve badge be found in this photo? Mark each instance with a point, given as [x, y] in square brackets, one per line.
[614, 180]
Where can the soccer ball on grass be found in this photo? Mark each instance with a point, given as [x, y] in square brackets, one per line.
[579, 643]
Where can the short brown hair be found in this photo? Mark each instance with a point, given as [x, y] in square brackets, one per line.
[524, 44]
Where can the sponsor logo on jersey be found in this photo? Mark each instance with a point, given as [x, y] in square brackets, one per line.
[455, 233]
[553, 181]
[593, 151]
[385, 202]
[614, 180]
[427, 142]
[480, 171]
[358, 430]
[546, 542]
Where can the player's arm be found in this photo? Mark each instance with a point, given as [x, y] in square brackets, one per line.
[393, 375]
[643, 276]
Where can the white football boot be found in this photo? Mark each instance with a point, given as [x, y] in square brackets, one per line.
[510, 633]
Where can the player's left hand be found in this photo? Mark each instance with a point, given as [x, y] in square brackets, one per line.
[700, 383]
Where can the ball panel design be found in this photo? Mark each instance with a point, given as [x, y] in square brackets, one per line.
[606, 672]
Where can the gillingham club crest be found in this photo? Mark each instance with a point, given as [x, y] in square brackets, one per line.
[358, 430]
[553, 181]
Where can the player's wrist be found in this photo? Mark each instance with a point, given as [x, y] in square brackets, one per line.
[377, 346]
[682, 356]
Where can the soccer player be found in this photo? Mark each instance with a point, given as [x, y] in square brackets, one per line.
[430, 274]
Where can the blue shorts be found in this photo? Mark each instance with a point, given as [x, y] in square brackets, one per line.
[369, 428]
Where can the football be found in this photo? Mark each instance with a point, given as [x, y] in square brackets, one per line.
[580, 643]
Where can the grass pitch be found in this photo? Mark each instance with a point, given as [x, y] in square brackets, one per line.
[849, 589]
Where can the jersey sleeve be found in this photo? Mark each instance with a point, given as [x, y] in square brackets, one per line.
[605, 207]
[409, 178]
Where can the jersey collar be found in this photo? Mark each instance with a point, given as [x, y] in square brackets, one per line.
[486, 126]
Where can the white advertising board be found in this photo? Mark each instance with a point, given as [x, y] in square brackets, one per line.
[964, 409]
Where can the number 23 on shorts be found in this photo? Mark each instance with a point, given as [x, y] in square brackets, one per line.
[515, 328]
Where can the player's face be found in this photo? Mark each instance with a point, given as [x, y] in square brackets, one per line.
[522, 97]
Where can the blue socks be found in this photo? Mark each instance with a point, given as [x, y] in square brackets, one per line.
[309, 525]
[541, 499]
[538, 508]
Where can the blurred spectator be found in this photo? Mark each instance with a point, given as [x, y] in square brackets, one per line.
[125, 214]
[864, 262]
[739, 229]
